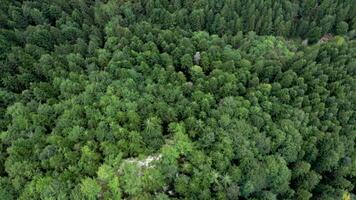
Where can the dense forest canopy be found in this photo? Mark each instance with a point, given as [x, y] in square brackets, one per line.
[177, 99]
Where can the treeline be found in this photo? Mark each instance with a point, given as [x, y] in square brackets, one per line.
[223, 91]
[306, 19]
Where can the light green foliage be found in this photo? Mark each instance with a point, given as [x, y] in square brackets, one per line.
[90, 188]
[108, 176]
[131, 179]
[270, 46]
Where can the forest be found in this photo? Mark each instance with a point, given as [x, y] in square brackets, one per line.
[178, 99]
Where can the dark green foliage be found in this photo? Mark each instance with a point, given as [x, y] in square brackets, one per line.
[158, 99]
